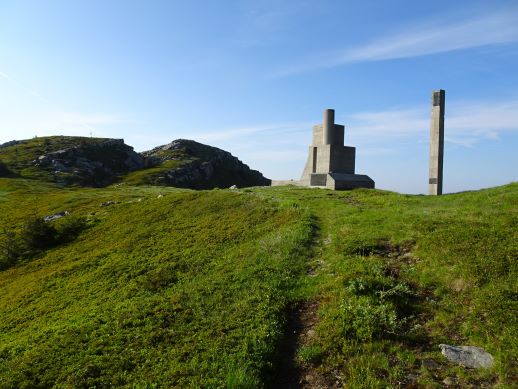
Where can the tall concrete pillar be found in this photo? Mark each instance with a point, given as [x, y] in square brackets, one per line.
[328, 126]
[436, 143]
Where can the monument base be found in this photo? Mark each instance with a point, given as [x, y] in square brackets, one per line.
[342, 181]
[335, 181]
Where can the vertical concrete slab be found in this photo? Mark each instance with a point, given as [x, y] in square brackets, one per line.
[435, 175]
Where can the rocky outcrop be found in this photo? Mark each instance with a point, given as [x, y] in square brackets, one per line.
[91, 164]
[202, 167]
[99, 162]
[11, 143]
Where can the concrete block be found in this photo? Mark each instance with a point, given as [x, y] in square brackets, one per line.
[328, 157]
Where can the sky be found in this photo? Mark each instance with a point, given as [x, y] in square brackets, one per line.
[253, 77]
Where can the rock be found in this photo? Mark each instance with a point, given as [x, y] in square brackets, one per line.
[467, 356]
[159, 196]
[11, 143]
[450, 381]
[56, 216]
[97, 162]
[206, 167]
[233, 187]
[430, 364]
[107, 203]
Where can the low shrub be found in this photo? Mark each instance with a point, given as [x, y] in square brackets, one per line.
[364, 319]
[311, 353]
[10, 249]
[35, 236]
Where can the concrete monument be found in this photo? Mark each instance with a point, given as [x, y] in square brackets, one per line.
[330, 164]
[436, 143]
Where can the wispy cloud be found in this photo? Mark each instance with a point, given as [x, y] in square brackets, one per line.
[390, 123]
[4, 75]
[467, 123]
[243, 132]
[430, 37]
[436, 38]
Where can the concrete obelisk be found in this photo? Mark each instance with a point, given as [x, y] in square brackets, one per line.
[436, 143]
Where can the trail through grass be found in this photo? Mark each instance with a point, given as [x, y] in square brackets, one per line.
[186, 289]
[177, 288]
[397, 275]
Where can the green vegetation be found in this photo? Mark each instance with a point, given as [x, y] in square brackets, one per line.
[396, 275]
[36, 235]
[99, 162]
[152, 175]
[17, 159]
[168, 287]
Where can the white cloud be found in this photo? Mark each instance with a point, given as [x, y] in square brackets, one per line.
[243, 132]
[424, 39]
[466, 123]
[382, 124]
[436, 38]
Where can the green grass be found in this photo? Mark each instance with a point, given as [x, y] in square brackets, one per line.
[177, 288]
[18, 158]
[151, 175]
[397, 275]
[188, 289]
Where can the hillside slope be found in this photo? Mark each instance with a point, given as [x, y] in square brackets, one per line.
[168, 287]
[69, 160]
[177, 288]
[99, 162]
[188, 164]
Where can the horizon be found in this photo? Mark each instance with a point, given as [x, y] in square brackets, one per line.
[253, 78]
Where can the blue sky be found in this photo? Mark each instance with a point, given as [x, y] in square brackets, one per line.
[252, 77]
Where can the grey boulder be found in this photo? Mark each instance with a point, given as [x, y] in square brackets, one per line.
[467, 356]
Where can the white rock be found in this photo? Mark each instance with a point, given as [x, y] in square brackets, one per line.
[55, 216]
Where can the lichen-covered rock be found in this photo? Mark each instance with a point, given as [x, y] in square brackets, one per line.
[99, 162]
[467, 356]
[91, 164]
[11, 143]
[202, 167]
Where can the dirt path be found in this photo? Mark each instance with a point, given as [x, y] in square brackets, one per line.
[292, 373]
[300, 330]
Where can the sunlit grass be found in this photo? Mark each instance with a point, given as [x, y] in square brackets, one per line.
[174, 287]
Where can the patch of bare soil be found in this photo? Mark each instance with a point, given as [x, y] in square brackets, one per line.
[292, 373]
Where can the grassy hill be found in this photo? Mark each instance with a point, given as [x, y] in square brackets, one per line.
[99, 162]
[69, 160]
[165, 287]
[185, 163]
